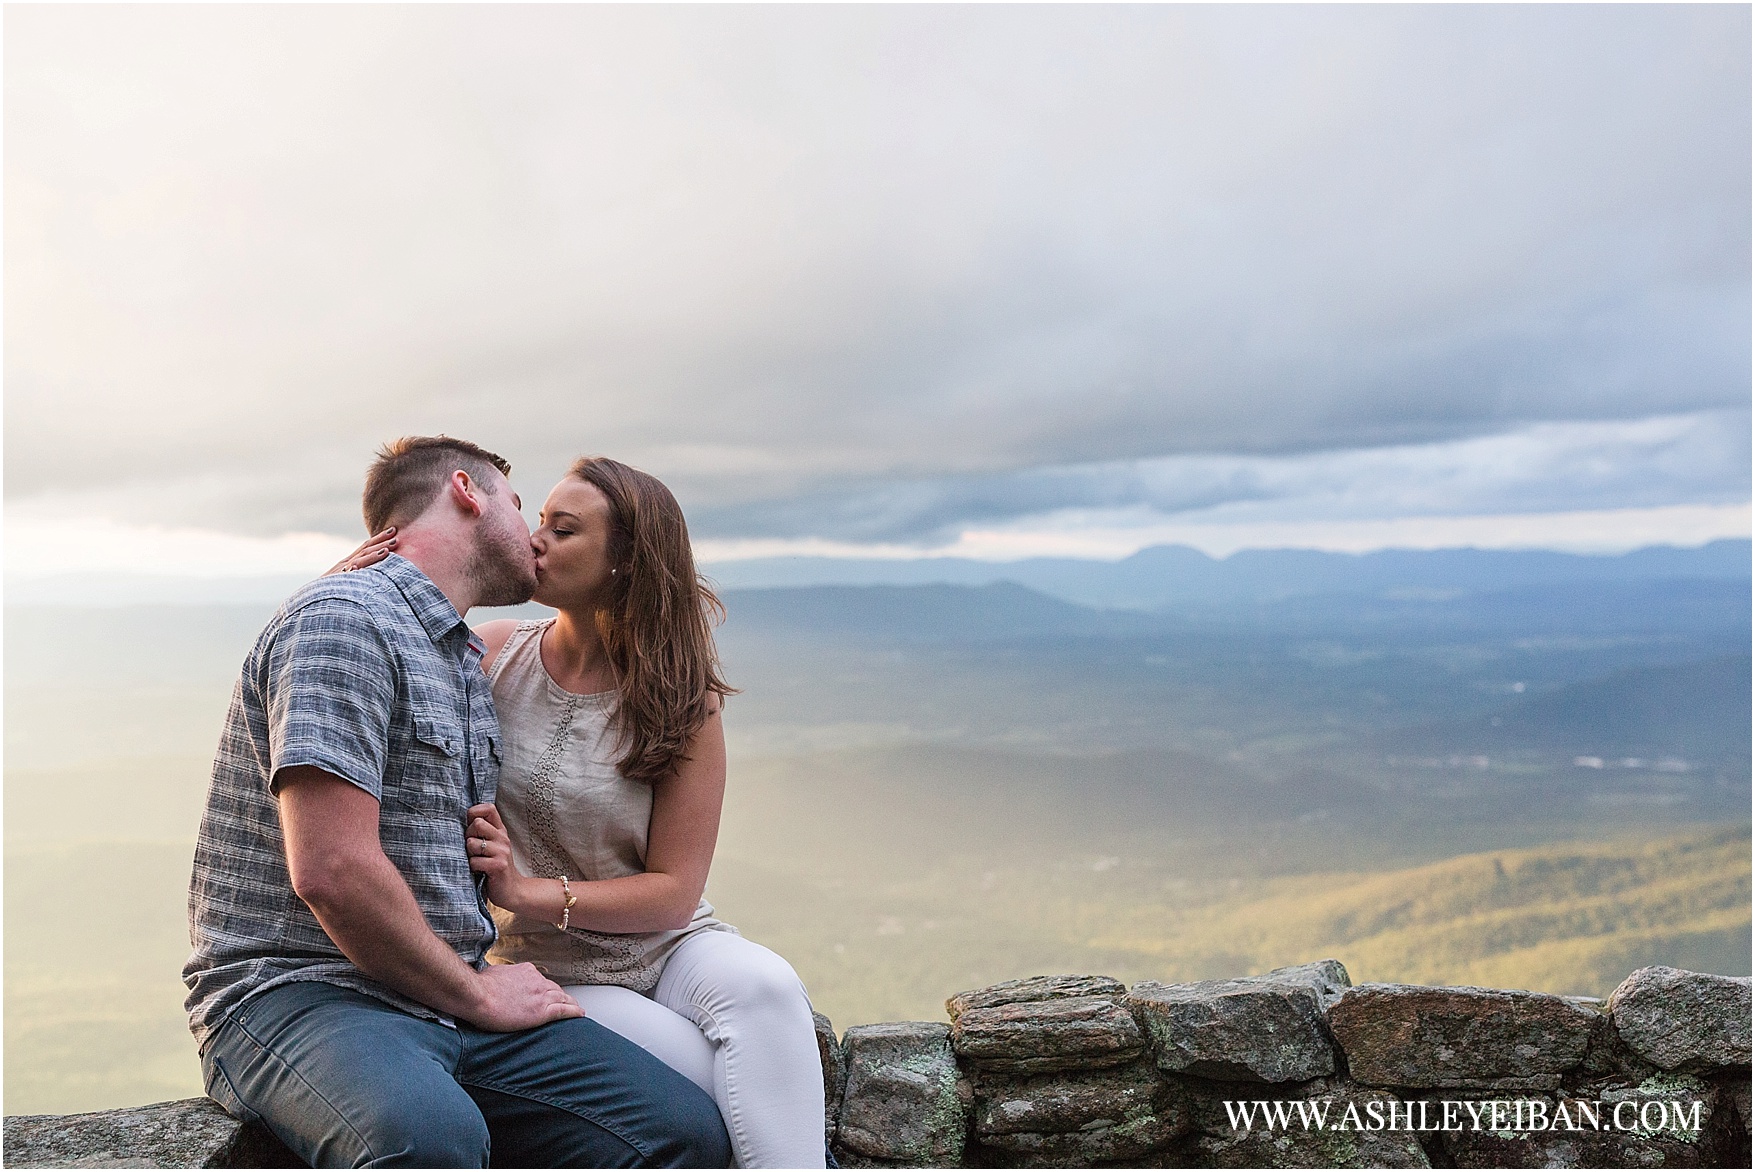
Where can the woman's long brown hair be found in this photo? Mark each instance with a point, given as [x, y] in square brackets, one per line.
[658, 626]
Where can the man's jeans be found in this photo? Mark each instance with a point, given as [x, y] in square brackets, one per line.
[347, 1081]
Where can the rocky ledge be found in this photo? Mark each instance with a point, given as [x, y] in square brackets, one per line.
[189, 1133]
[1295, 1068]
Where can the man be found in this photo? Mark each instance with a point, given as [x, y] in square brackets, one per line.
[338, 986]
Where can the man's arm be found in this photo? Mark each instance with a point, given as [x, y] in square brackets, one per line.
[339, 869]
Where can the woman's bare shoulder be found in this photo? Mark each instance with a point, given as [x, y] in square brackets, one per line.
[494, 635]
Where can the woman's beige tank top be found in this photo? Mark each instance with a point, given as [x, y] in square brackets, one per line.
[570, 812]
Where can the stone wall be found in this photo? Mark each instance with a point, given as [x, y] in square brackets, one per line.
[1083, 1072]
[1078, 1071]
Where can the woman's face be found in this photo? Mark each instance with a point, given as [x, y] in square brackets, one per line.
[572, 546]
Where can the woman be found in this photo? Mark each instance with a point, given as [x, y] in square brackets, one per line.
[613, 772]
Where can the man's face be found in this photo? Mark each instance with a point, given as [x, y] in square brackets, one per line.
[502, 565]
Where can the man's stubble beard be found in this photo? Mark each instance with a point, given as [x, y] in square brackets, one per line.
[501, 566]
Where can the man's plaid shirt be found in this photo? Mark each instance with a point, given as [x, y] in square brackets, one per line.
[375, 678]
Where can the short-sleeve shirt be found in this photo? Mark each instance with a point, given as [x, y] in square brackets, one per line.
[374, 677]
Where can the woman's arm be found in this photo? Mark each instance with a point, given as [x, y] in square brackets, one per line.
[679, 853]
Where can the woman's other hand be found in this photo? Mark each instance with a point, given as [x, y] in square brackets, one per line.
[370, 552]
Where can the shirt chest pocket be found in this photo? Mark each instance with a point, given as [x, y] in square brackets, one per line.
[435, 773]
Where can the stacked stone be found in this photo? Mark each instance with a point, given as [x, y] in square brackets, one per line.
[1666, 1039]
[1077, 1071]
[905, 1103]
[1061, 1075]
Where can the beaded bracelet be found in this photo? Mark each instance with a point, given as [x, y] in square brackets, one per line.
[567, 907]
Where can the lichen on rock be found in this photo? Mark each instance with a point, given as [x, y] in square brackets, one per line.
[184, 1133]
[1459, 1036]
[1679, 1020]
[1028, 989]
[1250, 1028]
[906, 1100]
[1078, 1118]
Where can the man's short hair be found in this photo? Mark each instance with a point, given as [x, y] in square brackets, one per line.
[411, 471]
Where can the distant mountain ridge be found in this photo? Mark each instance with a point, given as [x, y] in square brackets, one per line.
[1171, 575]
[1152, 579]
[944, 613]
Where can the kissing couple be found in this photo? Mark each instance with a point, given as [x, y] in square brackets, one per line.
[447, 895]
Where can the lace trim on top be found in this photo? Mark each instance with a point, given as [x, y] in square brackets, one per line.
[549, 857]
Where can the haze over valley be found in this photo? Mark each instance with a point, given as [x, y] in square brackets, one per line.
[1449, 767]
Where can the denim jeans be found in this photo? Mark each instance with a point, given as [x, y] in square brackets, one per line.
[347, 1081]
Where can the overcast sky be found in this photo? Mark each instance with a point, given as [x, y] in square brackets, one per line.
[892, 279]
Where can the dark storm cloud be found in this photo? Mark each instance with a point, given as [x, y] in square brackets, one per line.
[860, 271]
[1702, 458]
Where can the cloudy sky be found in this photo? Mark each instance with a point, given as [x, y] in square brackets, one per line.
[883, 280]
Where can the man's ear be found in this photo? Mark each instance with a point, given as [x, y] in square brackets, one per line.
[465, 493]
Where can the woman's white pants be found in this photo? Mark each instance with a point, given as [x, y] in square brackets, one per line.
[733, 1018]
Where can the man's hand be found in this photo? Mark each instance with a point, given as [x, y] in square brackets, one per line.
[517, 997]
[339, 869]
